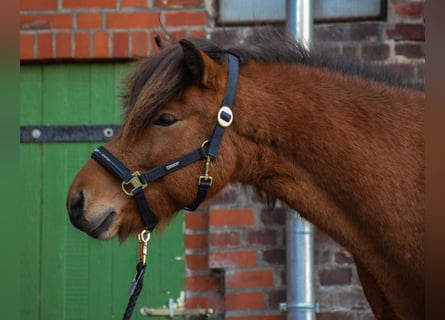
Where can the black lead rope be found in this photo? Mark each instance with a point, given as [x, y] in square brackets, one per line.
[138, 281]
[133, 184]
[140, 269]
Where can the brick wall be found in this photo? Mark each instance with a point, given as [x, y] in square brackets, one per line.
[398, 41]
[235, 253]
[235, 257]
[103, 29]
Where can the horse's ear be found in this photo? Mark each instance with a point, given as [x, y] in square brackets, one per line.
[161, 43]
[203, 68]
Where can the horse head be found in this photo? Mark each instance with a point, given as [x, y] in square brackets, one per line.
[171, 107]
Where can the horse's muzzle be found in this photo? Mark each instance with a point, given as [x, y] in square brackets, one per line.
[95, 226]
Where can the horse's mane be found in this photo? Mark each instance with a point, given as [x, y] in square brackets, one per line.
[158, 79]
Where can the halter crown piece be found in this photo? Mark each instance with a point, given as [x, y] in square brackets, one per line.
[133, 184]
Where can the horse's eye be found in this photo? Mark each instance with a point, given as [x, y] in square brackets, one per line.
[165, 120]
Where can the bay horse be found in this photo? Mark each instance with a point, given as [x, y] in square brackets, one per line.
[341, 145]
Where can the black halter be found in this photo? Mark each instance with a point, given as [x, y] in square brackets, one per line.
[133, 184]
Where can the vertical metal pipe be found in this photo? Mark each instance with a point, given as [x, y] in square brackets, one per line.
[299, 20]
[300, 295]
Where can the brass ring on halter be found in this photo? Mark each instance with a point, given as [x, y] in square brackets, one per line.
[204, 143]
[144, 236]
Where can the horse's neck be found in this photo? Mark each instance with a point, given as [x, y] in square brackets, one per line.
[333, 148]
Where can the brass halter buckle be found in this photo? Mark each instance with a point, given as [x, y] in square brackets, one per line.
[206, 176]
[135, 183]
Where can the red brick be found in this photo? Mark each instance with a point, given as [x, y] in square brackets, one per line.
[249, 279]
[350, 299]
[46, 21]
[275, 297]
[350, 52]
[196, 221]
[134, 3]
[81, 4]
[197, 261]
[197, 34]
[121, 44]
[410, 50]
[204, 282]
[196, 241]
[362, 31]
[140, 46]
[44, 45]
[342, 256]
[322, 255]
[178, 3]
[244, 300]
[181, 18]
[125, 20]
[375, 52]
[404, 31]
[334, 277]
[276, 216]
[242, 258]
[26, 46]
[275, 256]
[89, 20]
[101, 42]
[234, 217]
[38, 5]
[262, 237]
[82, 45]
[208, 301]
[321, 238]
[226, 239]
[177, 35]
[63, 45]
[229, 195]
[409, 10]
[346, 32]
[257, 317]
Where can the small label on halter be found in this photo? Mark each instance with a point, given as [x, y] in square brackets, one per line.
[171, 166]
[225, 117]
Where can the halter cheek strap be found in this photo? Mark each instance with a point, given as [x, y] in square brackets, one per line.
[133, 184]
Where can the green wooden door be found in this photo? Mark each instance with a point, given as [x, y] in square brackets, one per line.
[64, 273]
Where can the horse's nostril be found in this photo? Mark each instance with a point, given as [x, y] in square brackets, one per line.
[77, 205]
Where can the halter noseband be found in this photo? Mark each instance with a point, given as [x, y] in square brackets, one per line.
[133, 184]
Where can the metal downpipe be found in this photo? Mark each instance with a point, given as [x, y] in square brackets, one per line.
[300, 295]
[299, 20]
